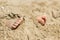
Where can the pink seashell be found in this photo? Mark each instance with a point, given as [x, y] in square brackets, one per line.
[41, 20]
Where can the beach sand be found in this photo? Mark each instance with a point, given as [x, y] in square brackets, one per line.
[30, 29]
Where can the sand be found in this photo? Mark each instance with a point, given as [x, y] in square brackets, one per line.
[30, 29]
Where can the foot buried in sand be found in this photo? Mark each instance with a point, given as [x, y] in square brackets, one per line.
[41, 20]
[17, 23]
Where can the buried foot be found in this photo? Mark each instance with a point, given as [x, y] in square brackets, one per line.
[17, 23]
[41, 20]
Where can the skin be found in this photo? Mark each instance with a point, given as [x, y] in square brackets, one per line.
[41, 20]
[17, 23]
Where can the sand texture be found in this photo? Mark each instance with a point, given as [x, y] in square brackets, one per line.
[30, 29]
